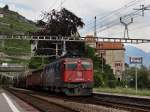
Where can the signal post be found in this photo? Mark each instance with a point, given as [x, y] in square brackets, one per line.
[136, 61]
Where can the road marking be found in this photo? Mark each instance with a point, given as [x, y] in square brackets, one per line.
[11, 105]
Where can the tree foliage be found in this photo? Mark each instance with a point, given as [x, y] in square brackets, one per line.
[59, 23]
[143, 77]
[63, 23]
[6, 8]
[40, 23]
[101, 78]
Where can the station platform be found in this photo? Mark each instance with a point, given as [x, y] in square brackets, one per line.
[10, 103]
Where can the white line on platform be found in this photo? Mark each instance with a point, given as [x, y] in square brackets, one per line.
[12, 106]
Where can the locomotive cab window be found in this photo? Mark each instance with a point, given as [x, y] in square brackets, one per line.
[71, 65]
[86, 65]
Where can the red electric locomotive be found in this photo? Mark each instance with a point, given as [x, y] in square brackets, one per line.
[72, 76]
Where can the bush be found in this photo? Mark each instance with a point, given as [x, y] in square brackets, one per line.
[120, 83]
[98, 79]
[143, 77]
[35, 63]
[112, 83]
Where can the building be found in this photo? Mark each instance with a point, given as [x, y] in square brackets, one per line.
[1, 15]
[113, 54]
[91, 41]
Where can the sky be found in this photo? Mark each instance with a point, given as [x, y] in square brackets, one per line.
[107, 12]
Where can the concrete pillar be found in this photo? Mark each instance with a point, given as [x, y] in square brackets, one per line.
[34, 47]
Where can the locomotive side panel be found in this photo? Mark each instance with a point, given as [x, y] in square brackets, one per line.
[52, 76]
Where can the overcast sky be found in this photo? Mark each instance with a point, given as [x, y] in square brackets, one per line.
[87, 9]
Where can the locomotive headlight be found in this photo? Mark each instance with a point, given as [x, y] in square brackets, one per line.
[79, 61]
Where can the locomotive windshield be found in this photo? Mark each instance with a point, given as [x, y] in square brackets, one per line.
[73, 66]
[70, 65]
[86, 65]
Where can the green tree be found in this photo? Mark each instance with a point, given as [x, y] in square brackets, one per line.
[101, 78]
[6, 8]
[63, 23]
[143, 77]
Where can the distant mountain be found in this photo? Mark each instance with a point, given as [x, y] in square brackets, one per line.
[13, 23]
[133, 51]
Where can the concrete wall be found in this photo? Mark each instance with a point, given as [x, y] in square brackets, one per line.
[115, 58]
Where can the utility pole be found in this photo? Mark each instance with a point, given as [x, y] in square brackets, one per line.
[102, 63]
[56, 49]
[95, 33]
[136, 78]
[64, 48]
[61, 4]
[126, 31]
[142, 8]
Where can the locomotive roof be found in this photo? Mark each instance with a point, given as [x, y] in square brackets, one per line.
[64, 59]
[59, 60]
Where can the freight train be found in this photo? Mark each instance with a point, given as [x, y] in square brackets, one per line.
[71, 76]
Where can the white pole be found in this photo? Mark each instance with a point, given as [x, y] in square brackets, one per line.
[64, 48]
[102, 65]
[56, 50]
[136, 78]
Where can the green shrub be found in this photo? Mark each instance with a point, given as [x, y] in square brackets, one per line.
[98, 79]
[35, 63]
[112, 83]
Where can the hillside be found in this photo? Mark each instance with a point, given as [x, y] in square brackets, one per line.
[15, 51]
[133, 51]
[13, 23]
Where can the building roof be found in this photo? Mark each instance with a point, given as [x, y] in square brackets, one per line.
[109, 46]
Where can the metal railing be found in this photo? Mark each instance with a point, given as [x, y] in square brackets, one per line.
[86, 39]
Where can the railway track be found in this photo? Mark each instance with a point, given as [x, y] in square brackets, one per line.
[78, 104]
[134, 104]
[39, 103]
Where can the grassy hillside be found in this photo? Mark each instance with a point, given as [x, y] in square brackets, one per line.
[15, 47]
[15, 51]
[14, 23]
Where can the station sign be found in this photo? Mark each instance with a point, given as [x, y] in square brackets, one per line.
[136, 60]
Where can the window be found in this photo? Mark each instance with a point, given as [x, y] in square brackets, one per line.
[71, 65]
[86, 65]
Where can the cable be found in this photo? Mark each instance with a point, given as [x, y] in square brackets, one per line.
[117, 10]
[113, 23]
[53, 4]
[60, 6]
